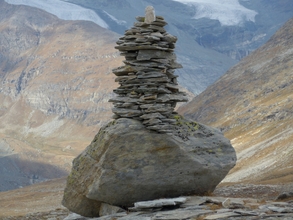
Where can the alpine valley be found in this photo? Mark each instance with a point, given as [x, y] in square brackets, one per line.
[56, 79]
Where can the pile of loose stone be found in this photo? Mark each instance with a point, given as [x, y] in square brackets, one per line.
[196, 207]
[148, 88]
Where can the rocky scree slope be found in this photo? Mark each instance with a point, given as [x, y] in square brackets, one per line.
[55, 84]
[252, 103]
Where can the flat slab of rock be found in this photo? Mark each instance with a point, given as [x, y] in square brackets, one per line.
[128, 163]
[181, 214]
[158, 203]
[222, 216]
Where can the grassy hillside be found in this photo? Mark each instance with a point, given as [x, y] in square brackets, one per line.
[252, 103]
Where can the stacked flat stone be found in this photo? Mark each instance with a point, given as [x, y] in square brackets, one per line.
[148, 88]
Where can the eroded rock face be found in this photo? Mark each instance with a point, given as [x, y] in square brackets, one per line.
[127, 163]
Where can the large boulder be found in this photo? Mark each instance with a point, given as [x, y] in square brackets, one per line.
[127, 163]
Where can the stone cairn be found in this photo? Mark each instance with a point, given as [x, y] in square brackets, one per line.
[148, 88]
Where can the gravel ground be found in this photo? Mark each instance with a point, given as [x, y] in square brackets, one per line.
[257, 191]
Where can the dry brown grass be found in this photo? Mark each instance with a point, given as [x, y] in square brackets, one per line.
[42, 197]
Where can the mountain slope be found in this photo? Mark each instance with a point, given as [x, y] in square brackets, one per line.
[252, 103]
[55, 81]
[63, 10]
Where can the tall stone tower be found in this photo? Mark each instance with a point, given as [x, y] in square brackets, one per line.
[126, 162]
[148, 88]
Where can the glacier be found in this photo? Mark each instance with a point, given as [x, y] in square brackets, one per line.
[120, 22]
[63, 10]
[227, 12]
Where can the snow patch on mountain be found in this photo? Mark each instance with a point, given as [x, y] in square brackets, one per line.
[120, 22]
[63, 10]
[228, 12]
